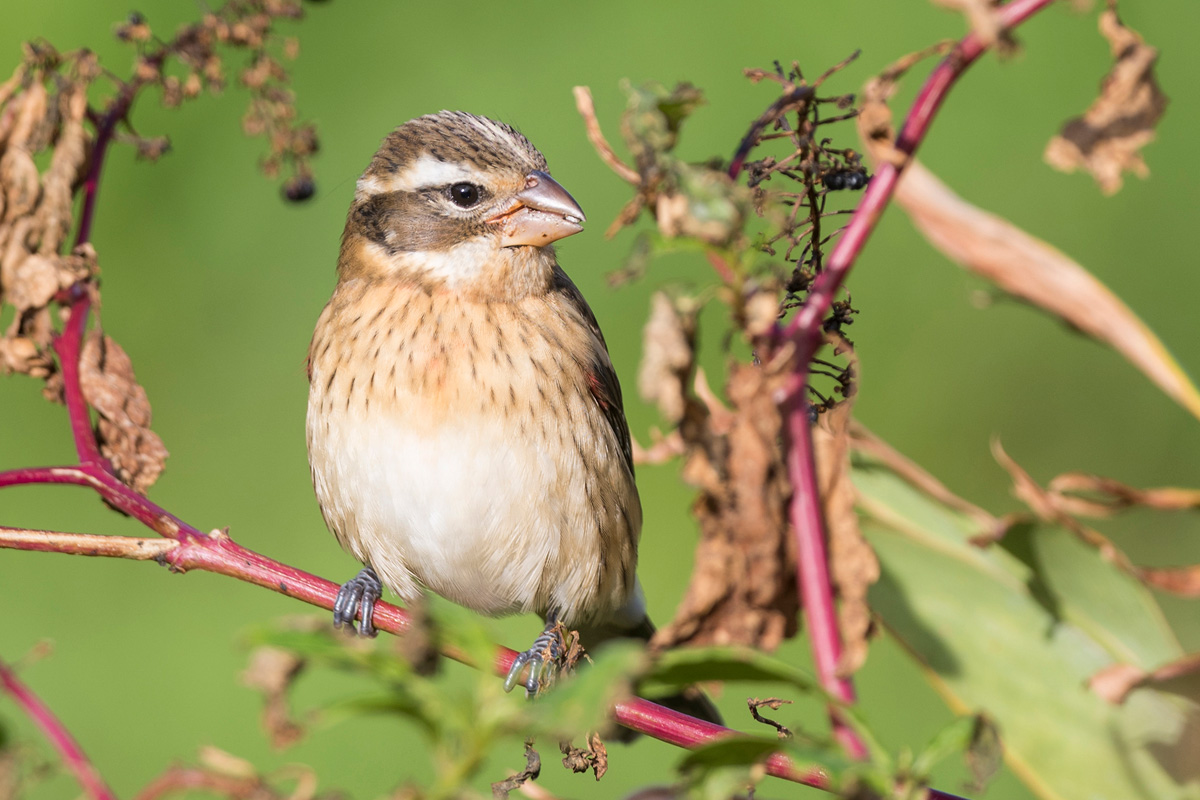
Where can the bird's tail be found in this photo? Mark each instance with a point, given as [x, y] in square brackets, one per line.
[692, 700]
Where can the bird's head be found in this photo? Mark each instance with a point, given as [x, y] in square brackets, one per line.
[458, 201]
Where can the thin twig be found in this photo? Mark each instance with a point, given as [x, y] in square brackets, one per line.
[62, 740]
[86, 544]
[587, 110]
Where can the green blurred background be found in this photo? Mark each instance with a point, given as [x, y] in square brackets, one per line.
[213, 284]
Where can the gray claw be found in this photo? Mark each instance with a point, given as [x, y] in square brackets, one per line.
[542, 660]
[357, 597]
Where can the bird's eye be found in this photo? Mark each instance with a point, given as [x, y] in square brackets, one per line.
[464, 195]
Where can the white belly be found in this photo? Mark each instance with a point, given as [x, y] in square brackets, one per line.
[463, 510]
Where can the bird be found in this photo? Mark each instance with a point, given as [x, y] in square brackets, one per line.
[465, 426]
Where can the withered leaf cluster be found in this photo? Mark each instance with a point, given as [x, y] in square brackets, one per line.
[39, 113]
[593, 757]
[136, 453]
[44, 109]
[743, 587]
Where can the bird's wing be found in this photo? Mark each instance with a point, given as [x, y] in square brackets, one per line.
[601, 377]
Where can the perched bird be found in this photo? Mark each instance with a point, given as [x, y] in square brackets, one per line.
[465, 426]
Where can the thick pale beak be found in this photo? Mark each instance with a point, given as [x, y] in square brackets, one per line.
[544, 212]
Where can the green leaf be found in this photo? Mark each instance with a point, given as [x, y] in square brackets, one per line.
[732, 751]
[676, 669]
[1019, 638]
[725, 768]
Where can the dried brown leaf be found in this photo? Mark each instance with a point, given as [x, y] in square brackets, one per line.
[1108, 138]
[37, 278]
[1116, 681]
[29, 110]
[21, 182]
[533, 768]
[14, 248]
[668, 353]
[1182, 581]
[1032, 270]
[1082, 494]
[852, 562]
[225, 763]
[21, 354]
[594, 757]
[661, 450]
[54, 210]
[773, 703]
[272, 671]
[106, 376]
[743, 587]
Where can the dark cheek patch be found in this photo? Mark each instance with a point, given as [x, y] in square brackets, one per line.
[407, 222]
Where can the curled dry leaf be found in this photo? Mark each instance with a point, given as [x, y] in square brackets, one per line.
[54, 211]
[1020, 264]
[1093, 496]
[852, 563]
[37, 278]
[533, 768]
[106, 376]
[668, 354]
[225, 763]
[773, 703]
[272, 671]
[1047, 505]
[743, 587]
[1116, 681]
[1108, 138]
[594, 757]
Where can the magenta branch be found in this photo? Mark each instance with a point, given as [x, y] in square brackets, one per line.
[61, 739]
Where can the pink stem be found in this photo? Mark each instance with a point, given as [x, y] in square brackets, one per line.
[812, 570]
[805, 332]
[68, 346]
[106, 126]
[62, 740]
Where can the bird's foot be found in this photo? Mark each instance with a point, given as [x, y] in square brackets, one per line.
[543, 661]
[358, 595]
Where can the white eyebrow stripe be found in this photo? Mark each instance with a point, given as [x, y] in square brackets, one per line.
[425, 173]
